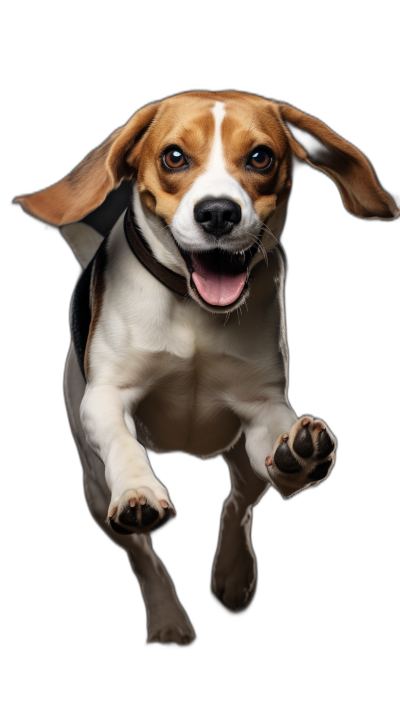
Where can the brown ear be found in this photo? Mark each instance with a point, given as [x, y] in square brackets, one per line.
[100, 172]
[353, 174]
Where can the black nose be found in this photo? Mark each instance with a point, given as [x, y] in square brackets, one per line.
[217, 216]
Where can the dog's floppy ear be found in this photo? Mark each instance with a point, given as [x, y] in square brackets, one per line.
[100, 172]
[361, 192]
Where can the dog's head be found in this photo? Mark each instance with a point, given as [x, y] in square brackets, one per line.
[213, 175]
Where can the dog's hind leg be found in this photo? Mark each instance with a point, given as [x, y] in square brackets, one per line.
[167, 621]
[235, 569]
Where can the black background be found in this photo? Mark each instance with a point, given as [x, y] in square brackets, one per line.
[326, 556]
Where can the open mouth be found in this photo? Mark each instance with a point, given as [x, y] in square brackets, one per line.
[220, 277]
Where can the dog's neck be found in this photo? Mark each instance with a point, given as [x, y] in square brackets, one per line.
[158, 237]
[137, 243]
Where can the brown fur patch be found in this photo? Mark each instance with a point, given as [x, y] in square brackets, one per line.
[189, 124]
[361, 192]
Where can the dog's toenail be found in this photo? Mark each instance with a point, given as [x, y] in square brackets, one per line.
[142, 500]
[132, 502]
[268, 461]
[319, 426]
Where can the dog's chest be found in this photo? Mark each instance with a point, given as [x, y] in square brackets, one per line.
[183, 379]
[187, 406]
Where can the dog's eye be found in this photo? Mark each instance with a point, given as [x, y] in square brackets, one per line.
[261, 158]
[174, 158]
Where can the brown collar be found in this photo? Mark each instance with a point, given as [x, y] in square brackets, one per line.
[139, 246]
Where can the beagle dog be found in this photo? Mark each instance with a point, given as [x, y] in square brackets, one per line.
[178, 319]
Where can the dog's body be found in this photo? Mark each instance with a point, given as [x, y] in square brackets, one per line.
[203, 372]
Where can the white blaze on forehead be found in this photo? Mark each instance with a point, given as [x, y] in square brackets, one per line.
[216, 162]
[214, 182]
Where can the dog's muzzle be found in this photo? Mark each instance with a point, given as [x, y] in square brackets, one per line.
[218, 275]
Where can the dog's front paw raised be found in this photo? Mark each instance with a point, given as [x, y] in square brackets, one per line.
[302, 458]
[139, 511]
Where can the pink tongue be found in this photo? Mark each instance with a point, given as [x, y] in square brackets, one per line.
[215, 287]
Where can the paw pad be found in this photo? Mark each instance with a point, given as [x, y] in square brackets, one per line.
[285, 460]
[139, 513]
[303, 443]
[325, 445]
[300, 459]
[320, 471]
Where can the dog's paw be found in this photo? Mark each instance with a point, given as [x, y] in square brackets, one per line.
[234, 574]
[302, 458]
[140, 510]
[235, 590]
[173, 635]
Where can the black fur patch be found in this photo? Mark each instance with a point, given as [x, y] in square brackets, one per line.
[80, 314]
[80, 311]
[104, 218]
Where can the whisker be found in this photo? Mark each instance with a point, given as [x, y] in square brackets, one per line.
[267, 228]
[257, 238]
[167, 228]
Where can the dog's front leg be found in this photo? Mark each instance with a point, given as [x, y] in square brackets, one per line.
[139, 502]
[289, 452]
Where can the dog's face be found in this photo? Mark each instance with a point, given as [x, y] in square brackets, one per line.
[213, 174]
[213, 170]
